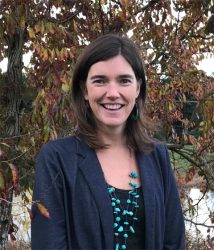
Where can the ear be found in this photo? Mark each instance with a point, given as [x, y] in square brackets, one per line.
[138, 88]
[85, 92]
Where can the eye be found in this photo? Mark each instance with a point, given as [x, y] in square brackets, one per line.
[98, 81]
[125, 81]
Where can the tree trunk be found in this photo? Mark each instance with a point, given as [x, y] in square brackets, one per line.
[5, 219]
[13, 87]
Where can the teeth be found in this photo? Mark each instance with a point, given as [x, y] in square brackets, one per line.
[112, 106]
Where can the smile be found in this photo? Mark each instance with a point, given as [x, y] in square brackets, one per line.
[115, 106]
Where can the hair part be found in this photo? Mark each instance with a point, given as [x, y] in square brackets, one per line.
[103, 48]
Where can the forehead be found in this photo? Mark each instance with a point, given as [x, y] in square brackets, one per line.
[115, 65]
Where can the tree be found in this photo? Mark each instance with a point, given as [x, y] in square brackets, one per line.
[173, 36]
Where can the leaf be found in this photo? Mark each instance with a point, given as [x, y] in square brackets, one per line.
[2, 181]
[43, 210]
[65, 87]
[31, 33]
[5, 144]
[15, 175]
[37, 28]
[124, 3]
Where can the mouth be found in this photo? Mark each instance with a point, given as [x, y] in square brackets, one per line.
[112, 106]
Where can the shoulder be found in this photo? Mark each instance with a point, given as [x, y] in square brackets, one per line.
[160, 152]
[60, 148]
[160, 158]
[60, 145]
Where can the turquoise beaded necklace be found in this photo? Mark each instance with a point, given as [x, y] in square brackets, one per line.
[124, 218]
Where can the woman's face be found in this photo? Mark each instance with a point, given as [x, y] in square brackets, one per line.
[111, 90]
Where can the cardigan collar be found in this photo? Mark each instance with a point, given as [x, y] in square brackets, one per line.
[94, 176]
[147, 181]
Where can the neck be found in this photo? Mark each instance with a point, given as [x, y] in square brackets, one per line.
[112, 137]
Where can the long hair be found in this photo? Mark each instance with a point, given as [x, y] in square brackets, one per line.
[103, 48]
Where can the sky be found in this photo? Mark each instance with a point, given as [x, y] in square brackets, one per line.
[206, 65]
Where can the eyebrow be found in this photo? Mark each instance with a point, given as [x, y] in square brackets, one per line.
[97, 76]
[120, 76]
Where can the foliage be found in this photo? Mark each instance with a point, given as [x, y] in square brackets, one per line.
[173, 37]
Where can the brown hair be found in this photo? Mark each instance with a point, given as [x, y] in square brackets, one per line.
[101, 49]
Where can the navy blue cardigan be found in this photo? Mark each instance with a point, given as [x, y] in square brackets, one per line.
[70, 183]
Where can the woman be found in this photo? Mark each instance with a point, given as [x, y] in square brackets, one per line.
[110, 186]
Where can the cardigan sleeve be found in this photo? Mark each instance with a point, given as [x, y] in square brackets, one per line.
[174, 234]
[48, 233]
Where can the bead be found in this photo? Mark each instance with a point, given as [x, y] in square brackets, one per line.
[128, 201]
[115, 225]
[131, 192]
[120, 229]
[131, 213]
[132, 184]
[117, 209]
[133, 175]
[124, 212]
[111, 190]
[125, 236]
[117, 246]
[123, 247]
[116, 234]
[113, 199]
[137, 196]
[126, 223]
[135, 218]
[118, 201]
[118, 218]
[132, 229]
[113, 204]
[134, 203]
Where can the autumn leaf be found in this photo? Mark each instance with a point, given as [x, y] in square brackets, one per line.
[2, 181]
[124, 3]
[15, 175]
[43, 210]
[31, 33]
[65, 87]
[5, 144]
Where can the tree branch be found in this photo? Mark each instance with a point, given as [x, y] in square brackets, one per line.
[199, 224]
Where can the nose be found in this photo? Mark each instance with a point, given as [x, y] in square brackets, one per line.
[113, 90]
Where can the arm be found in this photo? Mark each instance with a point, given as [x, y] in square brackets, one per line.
[174, 235]
[48, 233]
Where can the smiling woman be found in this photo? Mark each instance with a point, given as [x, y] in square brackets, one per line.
[111, 89]
[111, 63]
[109, 186]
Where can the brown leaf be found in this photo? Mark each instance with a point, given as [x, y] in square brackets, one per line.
[15, 175]
[43, 210]
[124, 3]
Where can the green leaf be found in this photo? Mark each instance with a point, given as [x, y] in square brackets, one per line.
[65, 87]
[2, 181]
